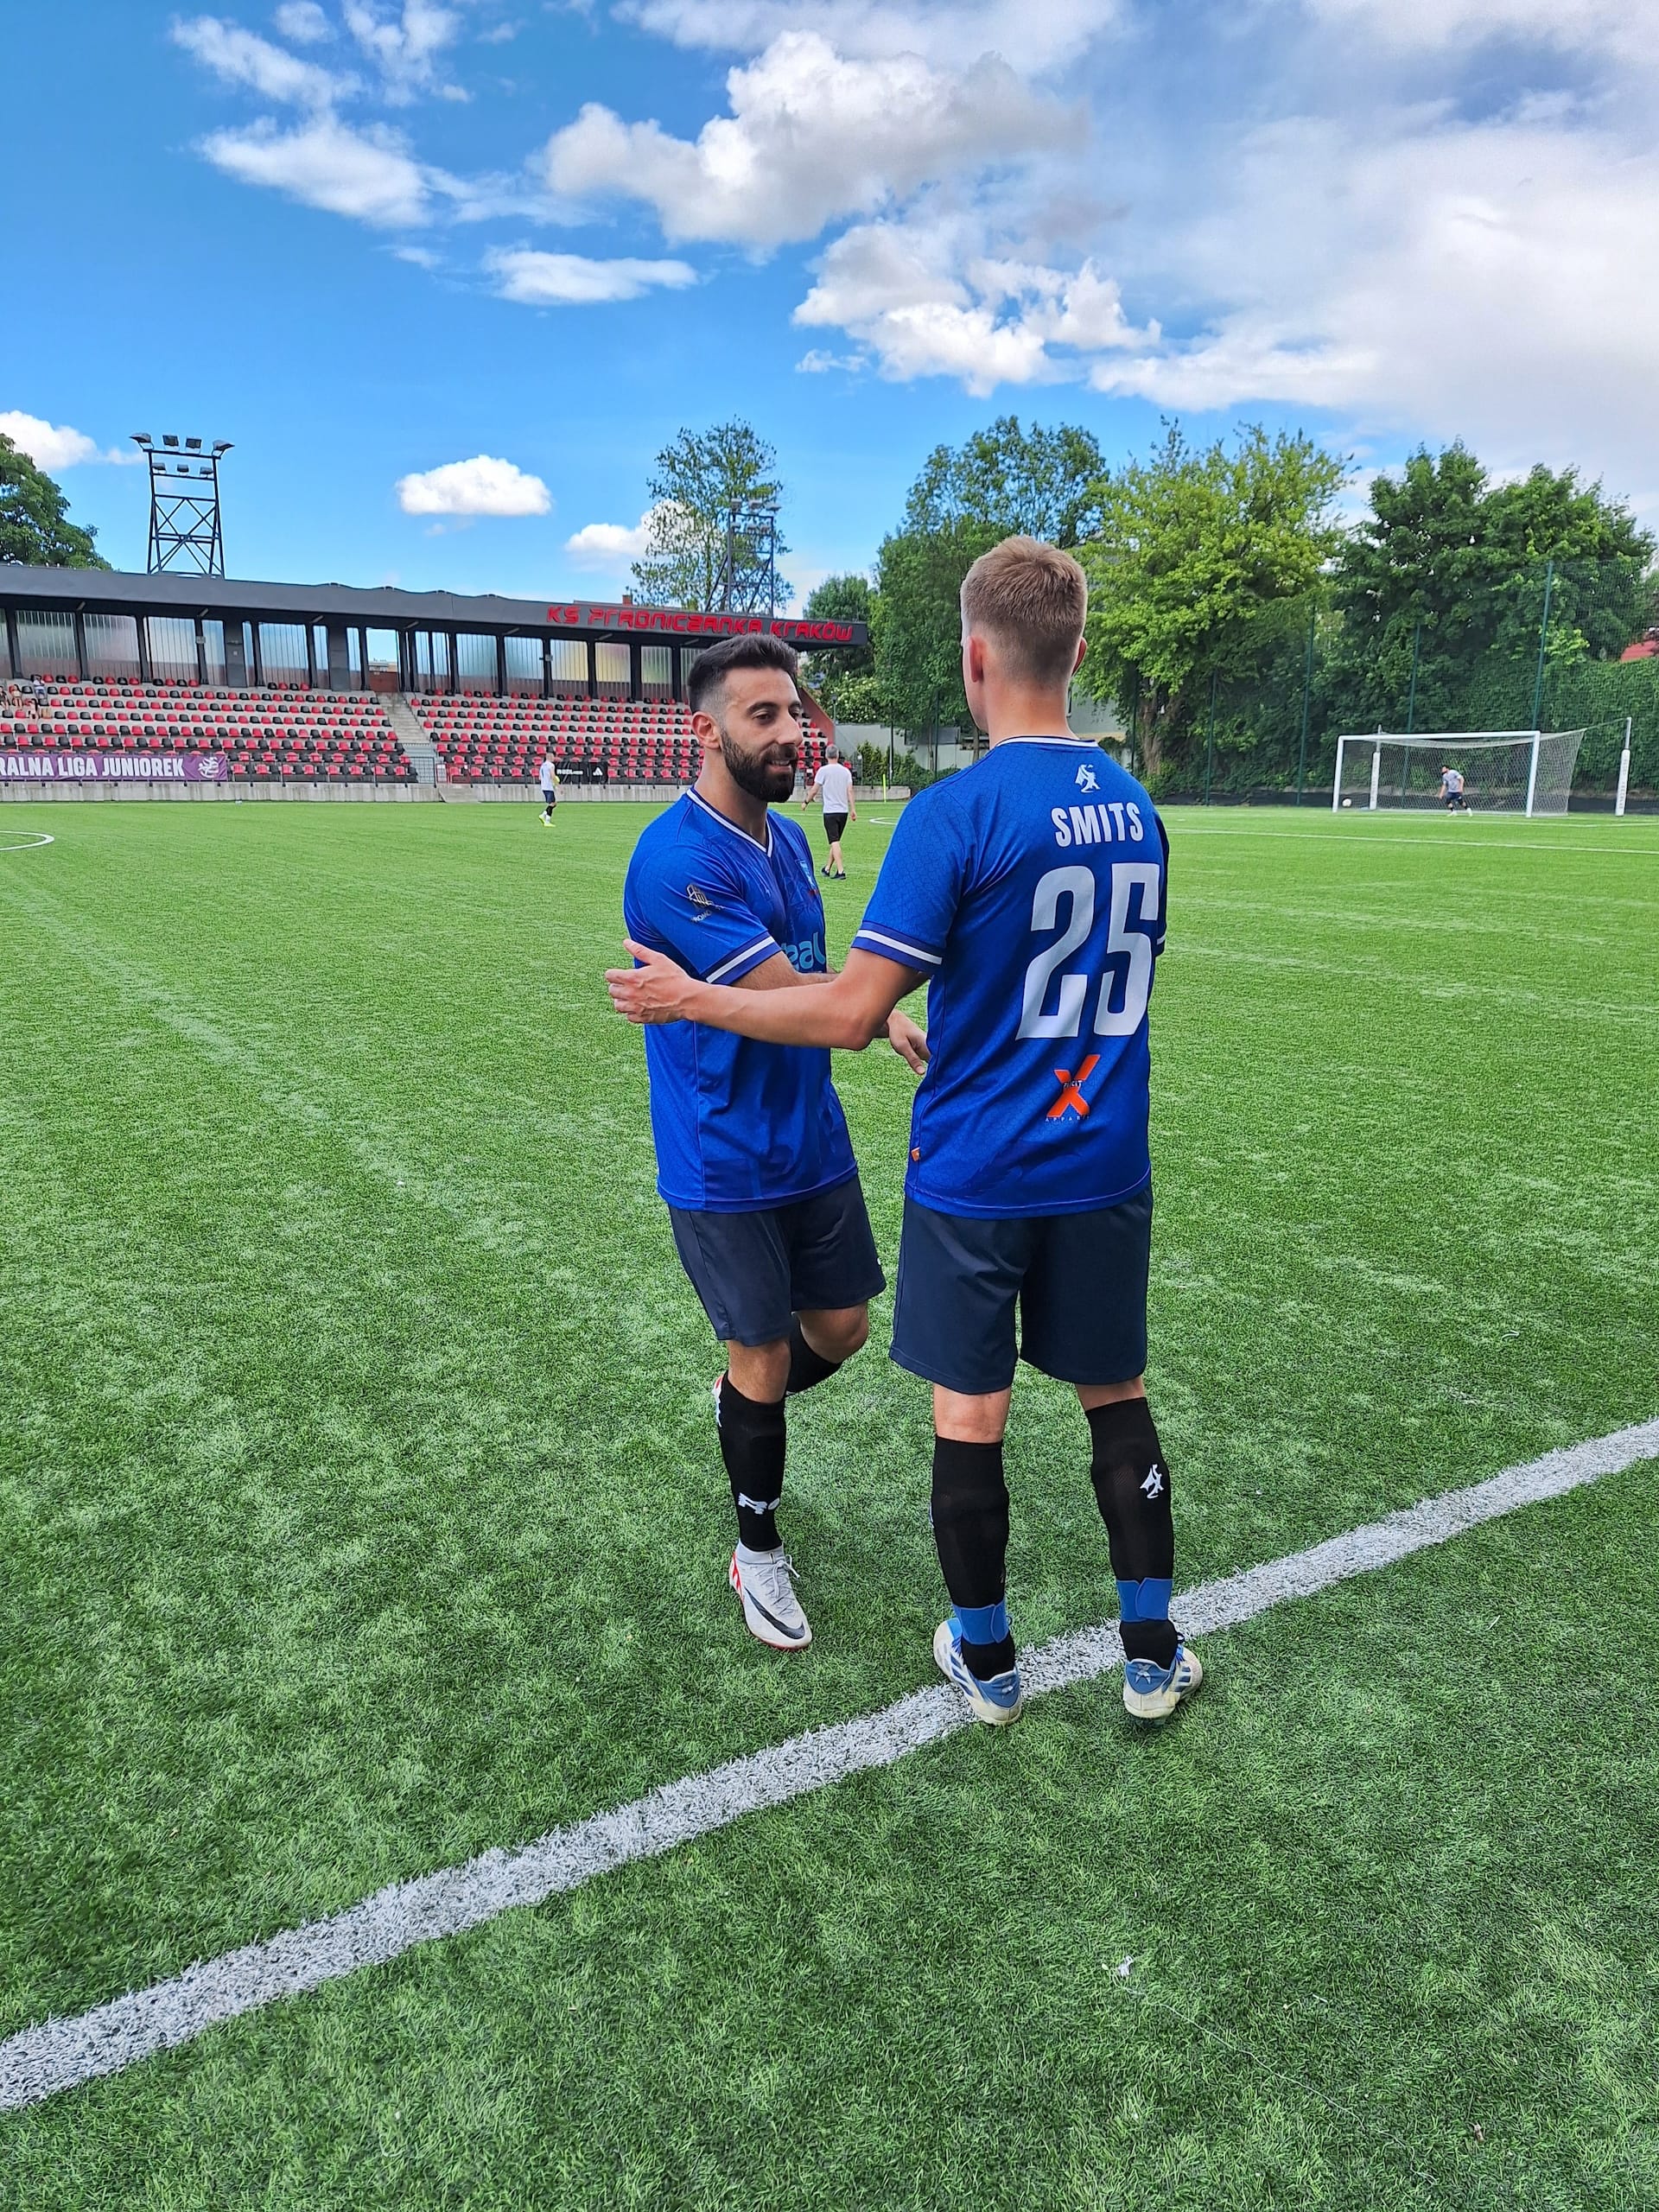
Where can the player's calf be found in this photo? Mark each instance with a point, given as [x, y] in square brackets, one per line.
[1130, 1472]
[970, 1532]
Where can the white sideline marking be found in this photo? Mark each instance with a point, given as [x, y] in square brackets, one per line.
[39, 2062]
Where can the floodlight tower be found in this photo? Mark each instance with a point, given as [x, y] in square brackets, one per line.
[184, 525]
[751, 542]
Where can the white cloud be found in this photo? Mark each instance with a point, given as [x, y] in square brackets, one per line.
[55, 446]
[421, 255]
[924, 308]
[818, 361]
[811, 136]
[369, 175]
[243, 58]
[303, 21]
[405, 45]
[1444, 279]
[483, 486]
[1038, 37]
[540, 280]
[1612, 26]
[609, 544]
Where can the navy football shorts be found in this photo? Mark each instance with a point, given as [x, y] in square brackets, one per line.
[1077, 1282]
[754, 1272]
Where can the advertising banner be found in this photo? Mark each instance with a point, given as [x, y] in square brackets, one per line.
[113, 768]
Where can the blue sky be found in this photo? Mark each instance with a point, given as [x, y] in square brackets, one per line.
[368, 240]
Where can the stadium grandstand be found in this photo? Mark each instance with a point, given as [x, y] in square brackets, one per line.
[128, 680]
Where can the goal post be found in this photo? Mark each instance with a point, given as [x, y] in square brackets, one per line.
[1527, 771]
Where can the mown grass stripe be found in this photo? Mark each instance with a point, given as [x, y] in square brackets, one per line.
[62, 2054]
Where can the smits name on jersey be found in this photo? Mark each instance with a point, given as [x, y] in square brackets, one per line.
[1111, 821]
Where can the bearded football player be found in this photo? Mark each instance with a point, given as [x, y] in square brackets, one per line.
[754, 1158]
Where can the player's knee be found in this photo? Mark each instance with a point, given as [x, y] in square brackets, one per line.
[760, 1371]
[837, 1335]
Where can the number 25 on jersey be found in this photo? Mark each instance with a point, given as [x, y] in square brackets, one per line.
[1123, 935]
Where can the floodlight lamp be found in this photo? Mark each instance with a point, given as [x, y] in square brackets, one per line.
[223, 446]
[193, 445]
[168, 439]
[143, 438]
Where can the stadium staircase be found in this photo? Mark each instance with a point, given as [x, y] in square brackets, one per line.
[272, 736]
[413, 737]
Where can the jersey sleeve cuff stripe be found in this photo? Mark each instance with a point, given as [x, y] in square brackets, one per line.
[751, 956]
[878, 941]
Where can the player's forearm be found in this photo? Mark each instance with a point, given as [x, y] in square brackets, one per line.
[816, 1010]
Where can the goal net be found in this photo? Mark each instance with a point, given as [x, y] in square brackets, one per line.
[1503, 771]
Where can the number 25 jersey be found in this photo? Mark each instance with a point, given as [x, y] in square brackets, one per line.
[1029, 889]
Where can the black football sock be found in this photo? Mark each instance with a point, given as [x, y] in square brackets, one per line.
[807, 1368]
[1132, 1483]
[970, 1531]
[752, 1443]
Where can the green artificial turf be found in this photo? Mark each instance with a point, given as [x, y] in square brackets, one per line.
[359, 1510]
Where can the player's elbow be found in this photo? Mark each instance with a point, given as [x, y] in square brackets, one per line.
[854, 1030]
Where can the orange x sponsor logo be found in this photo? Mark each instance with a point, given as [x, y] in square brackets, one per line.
[1071, 1098]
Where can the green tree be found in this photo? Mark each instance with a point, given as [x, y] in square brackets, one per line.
[1003, 481]
[841, 675]
[694, 484]
[1007, 482]
[35, 526]
[1199, 557]
[1448, 569]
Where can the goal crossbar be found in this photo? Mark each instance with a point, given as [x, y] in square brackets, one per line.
[1531, 771]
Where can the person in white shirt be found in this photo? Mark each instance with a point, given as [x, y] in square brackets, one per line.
[550, 781]
[834, 784]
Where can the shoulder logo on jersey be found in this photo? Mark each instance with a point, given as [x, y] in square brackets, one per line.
[1087, 780]
[1071, 1100]
[699, 898]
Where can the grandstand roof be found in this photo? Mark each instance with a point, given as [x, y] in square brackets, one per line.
[108, 591]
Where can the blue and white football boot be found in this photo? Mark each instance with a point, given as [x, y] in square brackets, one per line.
[1152, 1692]
[995, 1702]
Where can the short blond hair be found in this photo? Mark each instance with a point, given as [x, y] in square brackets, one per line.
[1030, 599]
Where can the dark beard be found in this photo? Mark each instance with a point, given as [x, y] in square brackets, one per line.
[760, 778]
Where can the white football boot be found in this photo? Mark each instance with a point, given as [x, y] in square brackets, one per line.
[1152, 1693]
[765, 1583]
[996, 1702]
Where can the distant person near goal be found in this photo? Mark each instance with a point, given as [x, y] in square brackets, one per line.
[1452, 791]
[550, 782]
[1028, 892]
[834, 784]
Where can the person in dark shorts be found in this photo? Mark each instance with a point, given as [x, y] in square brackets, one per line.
[834, 784]
[754, 1158]
[1029, 890]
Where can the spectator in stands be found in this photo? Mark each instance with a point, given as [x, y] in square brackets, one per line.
[39, 693]
[550, 782]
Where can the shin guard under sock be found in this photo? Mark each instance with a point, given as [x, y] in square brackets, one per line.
[970, 1530]
[1131, 1483]
[807, 1368]
[753, 1435]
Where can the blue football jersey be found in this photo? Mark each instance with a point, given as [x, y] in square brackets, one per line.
[1029, 889]
[737, 1125]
